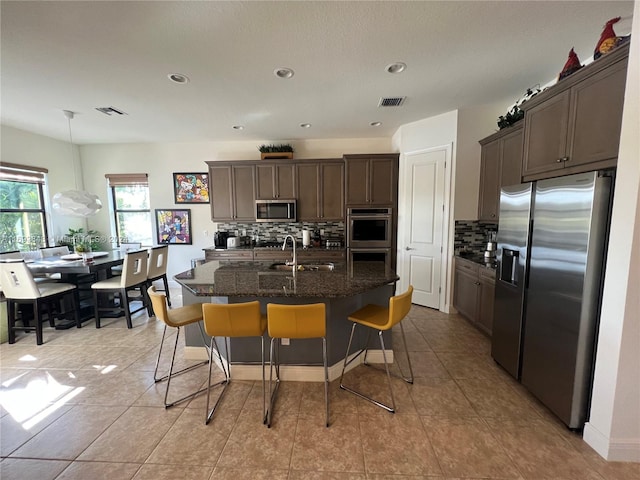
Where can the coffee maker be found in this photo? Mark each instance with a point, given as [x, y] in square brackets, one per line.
[220, 239]
[490, 249]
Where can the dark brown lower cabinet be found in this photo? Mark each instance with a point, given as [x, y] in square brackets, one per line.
[473, 292]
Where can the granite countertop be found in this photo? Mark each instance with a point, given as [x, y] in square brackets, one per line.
[479, 259]
[256, 279]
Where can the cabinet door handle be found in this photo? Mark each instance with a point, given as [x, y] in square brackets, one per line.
[565, 159]
[477, 283]
[559, 160]
[493, 215]
[409, 248]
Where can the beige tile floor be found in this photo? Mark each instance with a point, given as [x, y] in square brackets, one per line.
[84, 406]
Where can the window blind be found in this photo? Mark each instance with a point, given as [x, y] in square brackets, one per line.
[119, 179]
[22, 173]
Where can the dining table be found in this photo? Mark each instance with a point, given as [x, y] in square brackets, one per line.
[80, 271]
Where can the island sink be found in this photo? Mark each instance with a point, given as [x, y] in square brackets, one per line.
[314, 267]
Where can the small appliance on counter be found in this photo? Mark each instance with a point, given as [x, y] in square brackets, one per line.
[306, 238]
[333, 242]
[490, 249]
[220, 239]
[233, 242]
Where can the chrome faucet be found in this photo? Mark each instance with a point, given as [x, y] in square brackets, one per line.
[295, 259]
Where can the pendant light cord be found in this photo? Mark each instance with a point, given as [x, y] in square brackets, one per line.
[69, 115]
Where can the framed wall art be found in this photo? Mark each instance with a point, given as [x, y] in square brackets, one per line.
[173, 226]
[191, 187]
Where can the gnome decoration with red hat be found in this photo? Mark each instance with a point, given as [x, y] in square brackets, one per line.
[608, 40]
[573, 65]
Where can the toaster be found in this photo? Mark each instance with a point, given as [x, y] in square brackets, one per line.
[233, 242]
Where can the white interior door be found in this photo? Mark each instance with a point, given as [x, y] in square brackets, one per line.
[420, 246]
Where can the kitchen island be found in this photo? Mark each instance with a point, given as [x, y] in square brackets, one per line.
[344, 289]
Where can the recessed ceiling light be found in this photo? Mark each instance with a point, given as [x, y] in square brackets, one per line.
[397, 67]
[238, 127]
[305, 125]
[178, 78]
[375, 124]
[283, 72]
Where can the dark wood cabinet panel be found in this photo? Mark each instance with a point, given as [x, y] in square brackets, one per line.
[275, 181]
[474, 292]
[308, 179]
[596, 116]
[232, 192]
[500, 165]
[220, 180]
[357, 184]
[511, 165]
[546, 135]
[320, 191]
[575, 125]
[371, 179]
[465, 296]
[486, 298]
[332, 191]
[489, 182]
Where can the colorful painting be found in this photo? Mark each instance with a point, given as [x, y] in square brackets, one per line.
[173, 227]
[191, 187]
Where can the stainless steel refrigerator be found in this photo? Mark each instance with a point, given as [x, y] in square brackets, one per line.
[552, 237]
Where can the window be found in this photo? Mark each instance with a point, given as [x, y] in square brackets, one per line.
[23, 224]
[131, 213]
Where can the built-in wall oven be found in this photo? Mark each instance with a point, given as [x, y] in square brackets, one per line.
[369, 227]
[381, 256]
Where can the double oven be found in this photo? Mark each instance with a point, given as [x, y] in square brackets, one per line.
[370, 235]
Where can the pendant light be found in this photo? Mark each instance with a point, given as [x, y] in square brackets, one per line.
[75, 203]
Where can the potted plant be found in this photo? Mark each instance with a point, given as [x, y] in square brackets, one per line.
[81, 241]
[281, 151]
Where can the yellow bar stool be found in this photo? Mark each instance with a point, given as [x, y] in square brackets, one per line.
[232, 320]
[295, 321]
[381, 319]
[175, 318]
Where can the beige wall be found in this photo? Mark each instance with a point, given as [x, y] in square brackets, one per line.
[25, 148]
[160, 160]
[474, 124]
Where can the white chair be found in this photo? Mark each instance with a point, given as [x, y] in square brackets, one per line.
[158, 268]
[124, 248]
[20, 288]
[13, 255]
[134, 277]
[54, 251]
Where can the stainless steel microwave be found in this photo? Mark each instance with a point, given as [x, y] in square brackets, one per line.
[276, 210]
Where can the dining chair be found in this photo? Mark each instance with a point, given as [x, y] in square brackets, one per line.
[124, 248]
[133, 278]
[232, 320]
[380, 319]
[20, 288]
[177, 318]
[295, 322]
[54, 251]
[157, 268]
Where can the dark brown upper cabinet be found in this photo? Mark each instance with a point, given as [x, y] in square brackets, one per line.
[371, 179]
[320, 190]
[232, 192]
[275, 180]
[574, 126]
[501, 161]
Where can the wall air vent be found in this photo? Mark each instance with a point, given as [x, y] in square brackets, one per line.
[110, 111]
[391, 101]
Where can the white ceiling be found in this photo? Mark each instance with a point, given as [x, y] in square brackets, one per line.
[81, 55]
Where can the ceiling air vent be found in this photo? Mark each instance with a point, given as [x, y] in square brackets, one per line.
[110, 111]
[391, 101]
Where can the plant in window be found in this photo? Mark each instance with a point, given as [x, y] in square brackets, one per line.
[81, 241]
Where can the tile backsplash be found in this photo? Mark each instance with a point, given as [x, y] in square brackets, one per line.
[278, 230]
[472, 235]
